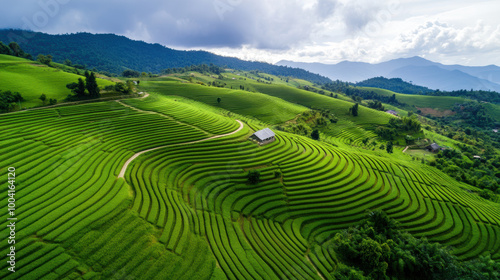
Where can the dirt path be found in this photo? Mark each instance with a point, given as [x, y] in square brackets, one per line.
[127, 163]
[406, 149]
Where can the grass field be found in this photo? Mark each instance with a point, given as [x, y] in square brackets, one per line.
[187, 211]
[31, 79]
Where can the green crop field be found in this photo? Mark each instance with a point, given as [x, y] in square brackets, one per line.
[184, 208]
[31, 79]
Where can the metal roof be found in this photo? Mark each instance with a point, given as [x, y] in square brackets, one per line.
[435, 146]
[264, 134]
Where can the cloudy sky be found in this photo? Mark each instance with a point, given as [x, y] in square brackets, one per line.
[329, 31]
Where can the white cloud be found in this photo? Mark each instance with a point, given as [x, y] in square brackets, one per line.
[303, 30]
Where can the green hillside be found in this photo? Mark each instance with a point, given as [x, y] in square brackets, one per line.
[423, 101]
[185, 209]
[254, 104]
[31, 79]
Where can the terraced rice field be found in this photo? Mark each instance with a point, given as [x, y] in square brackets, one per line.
[187, 211]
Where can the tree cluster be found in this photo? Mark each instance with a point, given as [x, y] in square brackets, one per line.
[483, 172]
[379, 249]
[43, 97]
[14, 49]
[399, 127]
[125, 88]
[309, 122]
[472, 113]
[85, 90]
[44, 59]
[375, 104]
[9, 100]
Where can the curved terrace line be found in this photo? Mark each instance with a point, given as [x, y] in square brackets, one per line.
[127, 163]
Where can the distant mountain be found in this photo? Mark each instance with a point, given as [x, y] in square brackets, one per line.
[114, 54]
[417, 70]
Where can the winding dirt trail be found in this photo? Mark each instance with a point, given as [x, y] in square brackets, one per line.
[127, 163]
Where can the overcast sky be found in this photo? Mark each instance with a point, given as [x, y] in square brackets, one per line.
[328, 31]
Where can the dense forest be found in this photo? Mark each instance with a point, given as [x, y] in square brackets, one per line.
[114, 54]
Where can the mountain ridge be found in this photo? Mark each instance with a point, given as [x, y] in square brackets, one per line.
[115, 53]
[414, 69]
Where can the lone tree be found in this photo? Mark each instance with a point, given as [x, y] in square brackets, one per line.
[389, 147]
[52, 101]
[354, 110]
[315, 134]
[218, 100]
[253, 176]
[91, 85]
[43, 97]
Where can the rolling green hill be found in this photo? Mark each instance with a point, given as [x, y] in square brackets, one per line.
[254, 104]
[185, 209]
[31, 79]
